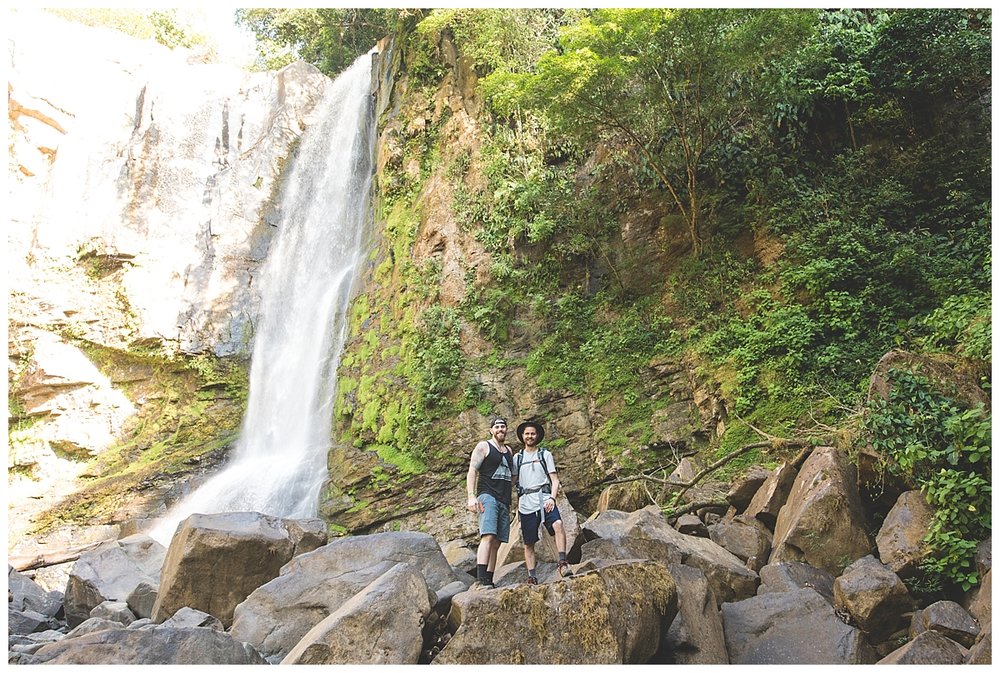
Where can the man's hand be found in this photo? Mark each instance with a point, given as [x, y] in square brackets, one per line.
[474, 505]
[550, 504]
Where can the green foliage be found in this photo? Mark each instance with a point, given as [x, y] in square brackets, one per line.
[164, 26]
[330, 38]
[686, 73]
[945, 448]
[439, 355]
[498, 39]
[962, 324]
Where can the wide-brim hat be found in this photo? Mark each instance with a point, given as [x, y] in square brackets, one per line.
[536, 425]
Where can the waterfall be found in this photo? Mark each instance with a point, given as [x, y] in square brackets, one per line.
[279, 463]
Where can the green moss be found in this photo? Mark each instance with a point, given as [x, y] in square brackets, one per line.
[188, 408]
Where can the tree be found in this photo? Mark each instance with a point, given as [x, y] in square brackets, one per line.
[330, 38]
[672, 84]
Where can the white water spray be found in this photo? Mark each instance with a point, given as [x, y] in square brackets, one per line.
[279, 463]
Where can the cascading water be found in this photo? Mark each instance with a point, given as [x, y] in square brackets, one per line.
[279, 463]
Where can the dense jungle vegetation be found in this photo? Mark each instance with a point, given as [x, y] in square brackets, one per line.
[827, 171]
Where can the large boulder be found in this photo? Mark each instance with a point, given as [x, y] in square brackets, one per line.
[381, 624]
[982, 652]
[646, 534]
[928, 648]
[460, 556]
[742, 491]
[900, 540]
[616, 614]
[746, 537]
[24, 594]
[981, 604]
[791, 627]
[696, 635]
[792, 575]
[772, 495]
[874, 596]
[949, 619]
[822, 523]
[190, 646]
[311, 587]
[216, 560]
[111, 573]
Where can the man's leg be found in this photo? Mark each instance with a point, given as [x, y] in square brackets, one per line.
[483, 558]
[529, 557]
[560, 537]
[492, 557]
[559, 533]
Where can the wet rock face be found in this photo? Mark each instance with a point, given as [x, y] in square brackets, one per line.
[155, 191]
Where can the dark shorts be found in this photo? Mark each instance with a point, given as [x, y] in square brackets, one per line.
[531, 522]
[495, 518]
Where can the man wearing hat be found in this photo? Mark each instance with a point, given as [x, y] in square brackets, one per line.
[488, 488]
[537, 485]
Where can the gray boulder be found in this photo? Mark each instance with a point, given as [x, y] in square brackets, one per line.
[745, 537]
[981, 603]
[460, 556]
[95, 624]
[696, 635]
[613, 615]
[792, 575]
[142, 600]
[111, 573]
[823, 523]
[23, 594]
[791, 627]
[772, 495]
[691, 524]
[115, 611]
[216, 560]
[900, 540]
[191, 618]
[949, 619]
[381, 624]
[312, 586]
[646, 534]
[874, 596]
[188, 646]
[742, 491]
[928, 648]
[26, 621]
[981, 652]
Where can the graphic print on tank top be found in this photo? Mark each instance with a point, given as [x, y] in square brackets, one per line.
[503, 469]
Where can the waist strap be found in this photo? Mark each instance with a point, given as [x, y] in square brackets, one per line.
[544, 488]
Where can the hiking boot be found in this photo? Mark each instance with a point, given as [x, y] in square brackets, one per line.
[563, 569]
[532, 580]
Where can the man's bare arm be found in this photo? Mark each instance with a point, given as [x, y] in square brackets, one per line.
[475, 462]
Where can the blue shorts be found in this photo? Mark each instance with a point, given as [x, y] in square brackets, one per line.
[531, 522]
[495, 518]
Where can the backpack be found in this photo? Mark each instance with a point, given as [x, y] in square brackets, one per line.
[546, 487]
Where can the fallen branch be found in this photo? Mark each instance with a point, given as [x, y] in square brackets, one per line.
[694, 506]
[772, 443]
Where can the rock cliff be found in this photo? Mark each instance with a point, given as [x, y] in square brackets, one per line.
[142, 187]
